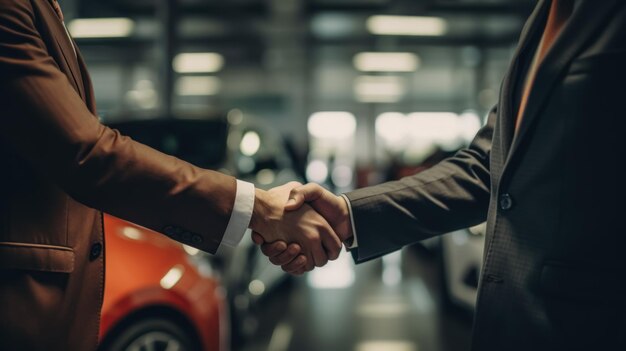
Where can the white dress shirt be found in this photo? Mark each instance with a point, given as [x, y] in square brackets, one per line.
[353, 242]
[241, 215]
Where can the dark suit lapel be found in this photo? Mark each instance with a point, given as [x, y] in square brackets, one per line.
[584, 24]
[63, 41]
[508, 114]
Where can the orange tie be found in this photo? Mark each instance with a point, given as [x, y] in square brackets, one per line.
[560, 12]
[57, 9]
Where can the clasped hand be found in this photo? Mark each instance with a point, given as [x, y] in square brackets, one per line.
[300, 227]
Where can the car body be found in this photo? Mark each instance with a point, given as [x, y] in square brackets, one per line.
[462, 257]
[152, 280]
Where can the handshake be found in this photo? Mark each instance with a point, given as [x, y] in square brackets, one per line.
[300, 227]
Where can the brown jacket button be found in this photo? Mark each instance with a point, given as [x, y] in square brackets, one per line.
[96, 250]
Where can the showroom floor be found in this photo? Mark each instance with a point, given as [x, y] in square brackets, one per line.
[386, 305]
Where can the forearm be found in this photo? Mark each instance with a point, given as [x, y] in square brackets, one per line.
[46, 124]
[451, 195]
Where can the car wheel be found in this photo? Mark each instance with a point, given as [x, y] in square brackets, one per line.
[152, 334]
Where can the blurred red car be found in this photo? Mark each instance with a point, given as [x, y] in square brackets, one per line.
[159, 294]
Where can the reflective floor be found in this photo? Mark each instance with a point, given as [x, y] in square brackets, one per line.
[383, 305]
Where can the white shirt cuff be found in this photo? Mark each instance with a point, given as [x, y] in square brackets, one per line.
[355, 243]
[240, 217]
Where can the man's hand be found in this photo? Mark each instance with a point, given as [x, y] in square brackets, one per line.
[333, 208]
[303, 226]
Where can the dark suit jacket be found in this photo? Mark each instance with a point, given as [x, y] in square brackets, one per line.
[60, 167]
[554, 273]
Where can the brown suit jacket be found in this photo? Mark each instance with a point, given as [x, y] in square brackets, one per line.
[61, 167]
[554, 273]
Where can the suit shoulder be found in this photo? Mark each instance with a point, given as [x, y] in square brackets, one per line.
[15, 12]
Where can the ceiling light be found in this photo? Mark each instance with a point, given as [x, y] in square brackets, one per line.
[407, 25]
[198, 86]
[101, 27]
[386, 62]
[379, 89]
[207, 62]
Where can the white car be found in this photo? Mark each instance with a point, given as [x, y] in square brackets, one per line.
[462, 257]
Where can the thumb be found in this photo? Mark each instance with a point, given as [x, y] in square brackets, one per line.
[306, 193]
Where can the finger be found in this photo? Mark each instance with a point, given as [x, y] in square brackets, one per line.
[316, 250]
[299, 263]
[331, 243]
[300, 195]
[274, 249]
[287, 256]
[257, 238]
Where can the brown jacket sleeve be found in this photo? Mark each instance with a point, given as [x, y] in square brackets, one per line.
[452, 195]
[45, 122]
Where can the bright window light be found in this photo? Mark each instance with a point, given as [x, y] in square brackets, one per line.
[332, 125]
[250, 143]
[379, 89]
[101, 27]
[203, 62]
[386, 62]
[443, 128]
[470, 125]
[407, 25]
[198, 86]
[392, 127]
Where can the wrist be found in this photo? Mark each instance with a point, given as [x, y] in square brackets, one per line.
[345, 220]
[258, 221]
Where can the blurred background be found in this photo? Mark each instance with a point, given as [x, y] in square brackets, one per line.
[345, 93]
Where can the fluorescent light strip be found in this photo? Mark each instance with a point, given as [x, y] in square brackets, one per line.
[386, 62]
[198, 86]
[387, 345]
[203, 62]
[101, 27]
[407, 25]
[379, 89]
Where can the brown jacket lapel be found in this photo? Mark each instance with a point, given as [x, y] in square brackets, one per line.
[64, 42]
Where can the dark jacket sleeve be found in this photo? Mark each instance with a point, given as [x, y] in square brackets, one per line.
[452, 195]
[44, 121]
